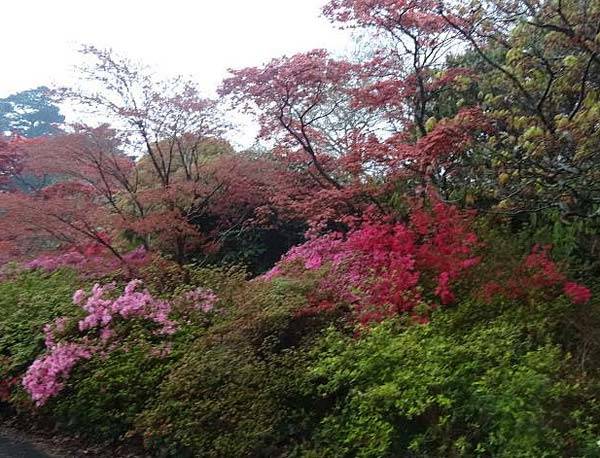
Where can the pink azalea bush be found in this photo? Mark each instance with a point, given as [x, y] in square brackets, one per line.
[47, 375]
[59, 326]
[133, 303]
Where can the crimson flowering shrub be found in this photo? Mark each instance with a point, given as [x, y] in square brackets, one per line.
[386, 268]
[534, 276]
[381, 268]
[97, 331]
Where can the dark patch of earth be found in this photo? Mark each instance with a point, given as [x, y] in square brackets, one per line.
[18, 442]
[13, 448]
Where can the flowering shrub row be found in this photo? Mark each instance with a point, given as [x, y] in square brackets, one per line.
[91, 260]
[383, 269]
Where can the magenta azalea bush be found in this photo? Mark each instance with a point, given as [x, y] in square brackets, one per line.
[89, 260]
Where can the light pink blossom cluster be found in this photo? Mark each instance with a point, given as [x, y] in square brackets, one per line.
[45, 378]
[131, 304]
[203, 299]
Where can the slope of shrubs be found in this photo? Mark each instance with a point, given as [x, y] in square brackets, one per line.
[280, 366]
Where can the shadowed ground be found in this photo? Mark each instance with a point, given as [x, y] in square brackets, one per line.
[10, 448]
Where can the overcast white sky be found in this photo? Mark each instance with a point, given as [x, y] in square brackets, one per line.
[198, 38]
[202, 38]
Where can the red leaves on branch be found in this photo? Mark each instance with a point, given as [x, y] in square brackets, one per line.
[451, 136]
[418, 16]
[303, 104]
[346, 125]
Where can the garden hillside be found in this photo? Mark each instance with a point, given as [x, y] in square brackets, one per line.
[407, 266]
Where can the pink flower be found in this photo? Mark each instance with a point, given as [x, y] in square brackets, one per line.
[59, 325]
[578, 294]
[202, 298]
[78, 297]
[131, 304]
[49, 336]
[45, 378]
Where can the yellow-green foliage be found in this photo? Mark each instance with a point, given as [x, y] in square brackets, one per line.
[455, 387]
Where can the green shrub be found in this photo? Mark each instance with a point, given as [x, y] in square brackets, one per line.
[454, 387]
[239, 390]
[104, 395]
[27, 303]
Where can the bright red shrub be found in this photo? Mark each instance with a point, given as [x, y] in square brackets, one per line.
[382, 268]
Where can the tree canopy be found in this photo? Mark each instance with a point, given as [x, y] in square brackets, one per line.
[30, 113]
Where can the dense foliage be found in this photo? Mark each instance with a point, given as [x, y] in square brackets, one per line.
[451, 388]
[410, 268]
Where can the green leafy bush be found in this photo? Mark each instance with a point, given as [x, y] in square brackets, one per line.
[239, 390]
[455, 387]
[27, 303]
[107, 393]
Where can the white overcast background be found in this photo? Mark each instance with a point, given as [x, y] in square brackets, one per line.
[197, 38]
